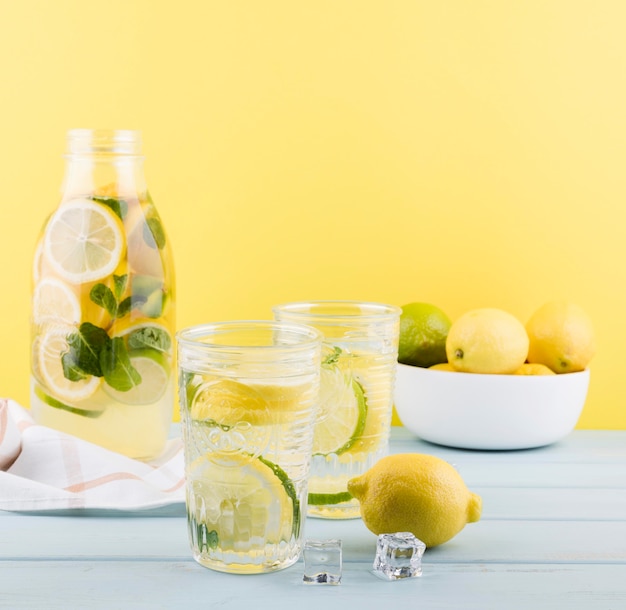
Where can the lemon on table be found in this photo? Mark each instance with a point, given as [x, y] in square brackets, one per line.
[423, 331]
[561, 337]
[154, 369]
[55, 301]
[84, 241]
[534, 369]
[342, 412]
[417, 493]
[49, 348]
[235, 490]
[487, 340]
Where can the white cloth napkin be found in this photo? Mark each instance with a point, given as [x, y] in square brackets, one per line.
[42, 469]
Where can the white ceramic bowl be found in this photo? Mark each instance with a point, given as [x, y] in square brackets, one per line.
[473, 411]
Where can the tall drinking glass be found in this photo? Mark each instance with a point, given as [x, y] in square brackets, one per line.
[248, 398]
[359, 355]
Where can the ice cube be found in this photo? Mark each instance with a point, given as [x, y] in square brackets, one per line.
[322, 562]
[398, 556]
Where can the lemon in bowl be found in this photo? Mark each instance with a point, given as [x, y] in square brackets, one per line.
[505, 386]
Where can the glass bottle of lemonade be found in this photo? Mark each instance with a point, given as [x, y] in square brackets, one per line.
[103, 302]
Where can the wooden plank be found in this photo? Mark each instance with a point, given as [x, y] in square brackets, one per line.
[579, 504]
[511, 541]
[156, 585]
[497, 473]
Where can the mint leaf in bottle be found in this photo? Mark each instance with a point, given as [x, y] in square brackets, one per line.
[85, 346]
[124, 307]
[117, 368]
[120, 282]
[119, 206]
[71, 370]
[102, 295]
[150, 336]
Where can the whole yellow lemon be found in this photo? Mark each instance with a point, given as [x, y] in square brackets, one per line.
[534, 369]
[561, 337]
[417, 493]
[487, 340]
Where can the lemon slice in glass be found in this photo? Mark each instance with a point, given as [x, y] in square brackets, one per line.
[342, 412]
[226, 401]
[84, 241]
[51, 345]
[154, 368]
[234, 495]
[54, 300]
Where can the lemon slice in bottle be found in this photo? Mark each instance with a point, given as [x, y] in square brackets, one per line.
[51, 345]
[84, 241]
[54, 300]
[234, 494]
[342, 412]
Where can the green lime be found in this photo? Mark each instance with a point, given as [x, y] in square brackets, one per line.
[423, 332]
[342, 412]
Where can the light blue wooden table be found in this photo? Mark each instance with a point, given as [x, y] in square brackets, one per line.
[552, 535]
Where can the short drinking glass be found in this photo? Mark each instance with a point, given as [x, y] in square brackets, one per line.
[359, 356]
[248, 397]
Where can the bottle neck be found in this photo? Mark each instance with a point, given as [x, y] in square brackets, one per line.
[103, 163]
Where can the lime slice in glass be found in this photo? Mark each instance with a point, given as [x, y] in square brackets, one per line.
[342, 412]
[326, 491]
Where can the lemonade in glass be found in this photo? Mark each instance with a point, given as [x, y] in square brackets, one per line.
[351, 432]
[248, 394]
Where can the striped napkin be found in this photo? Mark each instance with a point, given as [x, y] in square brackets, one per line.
[42, 469]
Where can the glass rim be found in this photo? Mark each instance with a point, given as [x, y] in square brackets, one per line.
[190, 337]
[369, 310]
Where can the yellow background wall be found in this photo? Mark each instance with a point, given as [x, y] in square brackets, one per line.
[464, 153]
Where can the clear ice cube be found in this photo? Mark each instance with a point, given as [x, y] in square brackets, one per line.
[322, 562]
[398, 556]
